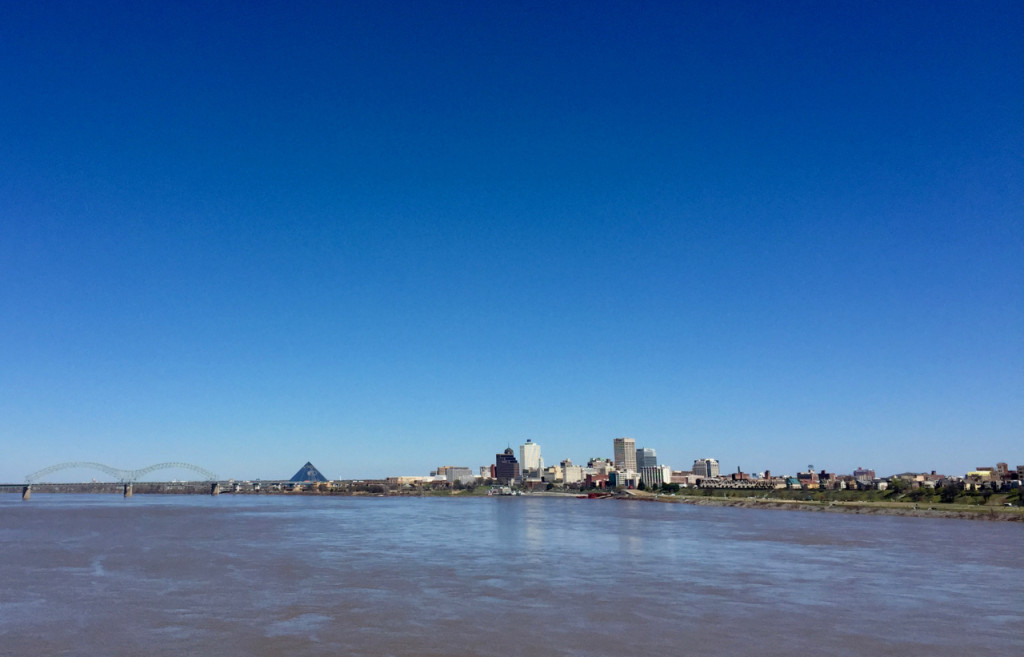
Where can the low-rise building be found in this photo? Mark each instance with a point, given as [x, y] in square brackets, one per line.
[457, 474]
[863, 475]
[808, 479]
[624, 479]
[408, 480]
[571, 474]
[981, 474]
[683, 478]
[728, 482]
[552, 473]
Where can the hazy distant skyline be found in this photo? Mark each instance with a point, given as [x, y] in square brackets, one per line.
[384, 237]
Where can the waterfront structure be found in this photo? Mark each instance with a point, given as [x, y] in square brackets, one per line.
[506, 467]
[530, 460]
[625, 454]
[705, 468]
[646, 458]
[308, 473]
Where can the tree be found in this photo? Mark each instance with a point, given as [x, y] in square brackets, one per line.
[898, 486]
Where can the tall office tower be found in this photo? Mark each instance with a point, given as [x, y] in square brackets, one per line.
[529, 458]
[646, 458]
[705, 468]
[506, 467]
[625, 454]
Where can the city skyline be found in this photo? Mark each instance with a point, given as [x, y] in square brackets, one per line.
[382, 237]
[704, 466]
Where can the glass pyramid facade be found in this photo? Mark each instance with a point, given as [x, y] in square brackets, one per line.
[308, 472]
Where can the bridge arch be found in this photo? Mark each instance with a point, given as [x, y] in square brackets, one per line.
[126, 476]
[142, 472]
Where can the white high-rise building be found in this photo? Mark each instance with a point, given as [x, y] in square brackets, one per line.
[530, 460]
[625, 454]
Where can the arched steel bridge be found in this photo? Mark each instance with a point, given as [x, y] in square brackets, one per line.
[126, 476]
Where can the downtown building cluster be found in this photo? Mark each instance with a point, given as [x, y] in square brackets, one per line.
[635, 467]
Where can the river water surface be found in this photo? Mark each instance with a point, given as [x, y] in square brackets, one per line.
[277, 575]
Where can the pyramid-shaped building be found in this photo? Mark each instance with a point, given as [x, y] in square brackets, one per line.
[308, 473]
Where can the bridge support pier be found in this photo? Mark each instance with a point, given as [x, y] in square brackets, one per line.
[26, 493]
[127, 490]
[215, 489]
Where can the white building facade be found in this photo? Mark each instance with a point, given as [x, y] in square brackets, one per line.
[530, 461]
[456, 474]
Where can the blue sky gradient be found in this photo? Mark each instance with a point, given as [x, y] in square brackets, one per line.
[389, 236]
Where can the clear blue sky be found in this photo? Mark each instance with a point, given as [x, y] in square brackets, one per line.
[389, 236]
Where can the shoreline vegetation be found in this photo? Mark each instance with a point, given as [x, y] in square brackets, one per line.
[858, 502]
[919, 503]
[998, 507]
[867, 507]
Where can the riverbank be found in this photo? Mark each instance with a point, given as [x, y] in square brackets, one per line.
[962, 511]
[909, 509]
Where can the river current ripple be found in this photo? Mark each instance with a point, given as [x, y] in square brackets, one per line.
[277, 575]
